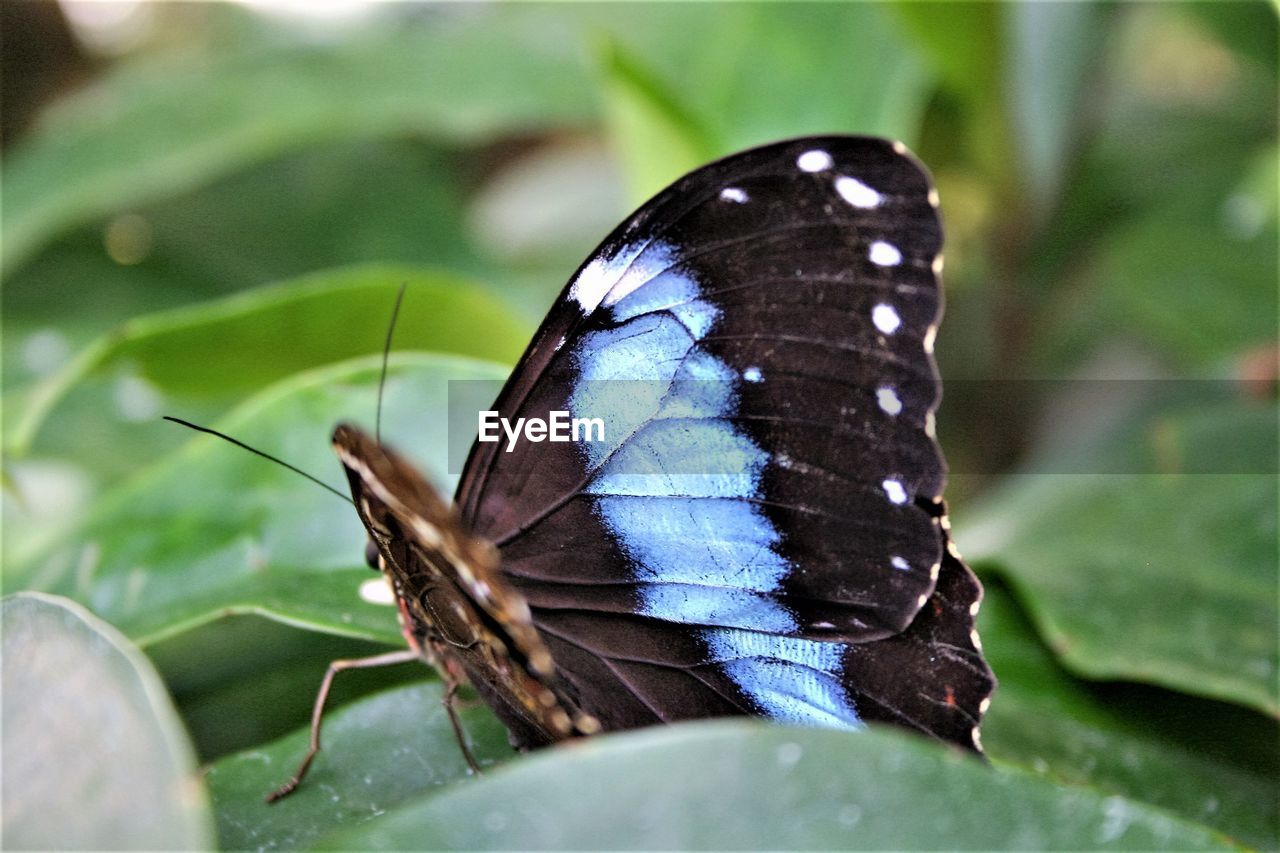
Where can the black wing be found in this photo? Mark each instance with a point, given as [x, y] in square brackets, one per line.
[762, 524]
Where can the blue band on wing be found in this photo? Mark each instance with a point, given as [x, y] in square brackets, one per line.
[791, 680]
[700, 550]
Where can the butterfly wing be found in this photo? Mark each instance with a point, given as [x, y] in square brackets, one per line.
[762, 525]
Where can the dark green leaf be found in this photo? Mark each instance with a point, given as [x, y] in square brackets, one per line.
[967, 46]
[745, 784]
[94, 755]
[241, 681]
[1209, 762]
[1248, 28]
[963, 41]
[377, 753]
[1169, 278]
[1162, 578]
[392, 202]
[118, 144]
[754, 64]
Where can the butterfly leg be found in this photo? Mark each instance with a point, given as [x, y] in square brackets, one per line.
[450, 696]
[317, 712]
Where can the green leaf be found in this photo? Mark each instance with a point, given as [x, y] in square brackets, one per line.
[754, 63]
[196, 362]
[94, 755]
[871, 82]
[656, 137]
[966, 45]
[760, 80]
[117, 144]
[1211, 763]
[377, 753]
[1133, 258]
[390, 201]
[1250, 29]
[243, 680]
[1162, 578]
[212, 530]
[745, 784]
[1053, 48]
[1173, 275]
[963, 41]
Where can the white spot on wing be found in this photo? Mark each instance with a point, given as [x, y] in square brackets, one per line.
[733, 194]
[900, 564]
[592, 284]
[984, 705]
[893, 488]
[929, 335]
[937, 264]
[898, 147]
[816, 160]
[609, 278]
[753, 374]
[888, 400]
[856, 192]
[885, 318]
[884, 254]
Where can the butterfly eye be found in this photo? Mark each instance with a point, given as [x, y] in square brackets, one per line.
[372, 555]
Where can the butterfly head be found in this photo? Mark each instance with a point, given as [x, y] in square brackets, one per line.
[398, 505]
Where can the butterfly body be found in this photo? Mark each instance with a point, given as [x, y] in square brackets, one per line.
[455, 610]
[763, 531]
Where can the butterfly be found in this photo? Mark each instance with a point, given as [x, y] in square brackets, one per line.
[761, 531]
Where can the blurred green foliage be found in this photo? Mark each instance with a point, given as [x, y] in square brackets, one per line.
[212, 225]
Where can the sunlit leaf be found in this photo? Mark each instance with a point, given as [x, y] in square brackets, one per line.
[213, 530]
[102, 410]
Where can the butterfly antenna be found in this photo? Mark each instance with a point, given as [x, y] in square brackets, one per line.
[386, 354]
[258, 452]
